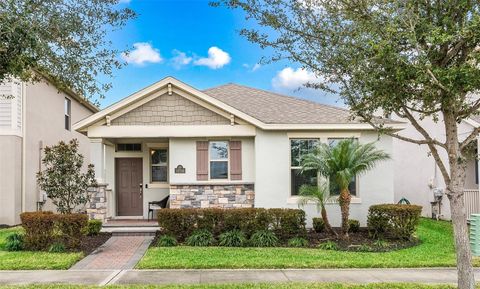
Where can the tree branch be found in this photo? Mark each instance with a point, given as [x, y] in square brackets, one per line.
[473, 135]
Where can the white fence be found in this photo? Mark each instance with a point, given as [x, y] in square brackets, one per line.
[472, 202]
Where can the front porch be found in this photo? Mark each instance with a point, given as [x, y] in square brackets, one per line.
[135, 172]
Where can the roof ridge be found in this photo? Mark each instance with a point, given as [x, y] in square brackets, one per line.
[280, 95]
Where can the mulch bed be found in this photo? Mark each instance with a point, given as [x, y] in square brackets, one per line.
[91, 243]
[358, 242]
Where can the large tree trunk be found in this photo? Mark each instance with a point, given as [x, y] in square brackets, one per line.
[344, 201]
[454, 191]
[328, 227]
[462, 242]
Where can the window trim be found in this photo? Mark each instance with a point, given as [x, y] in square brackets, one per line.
[150, 165]
[219, 160]
[291, 168]
[67, 114]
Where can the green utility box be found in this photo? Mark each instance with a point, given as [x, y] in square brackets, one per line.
[475, 234]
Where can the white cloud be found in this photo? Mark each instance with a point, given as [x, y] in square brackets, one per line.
[256, 66]
[291, 79]
[143, 53]
[217, 58]
[181, 59]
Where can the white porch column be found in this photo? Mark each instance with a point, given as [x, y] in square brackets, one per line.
[97, 158]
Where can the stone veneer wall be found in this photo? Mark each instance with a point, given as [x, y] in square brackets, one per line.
[212, 196]
[97, 207]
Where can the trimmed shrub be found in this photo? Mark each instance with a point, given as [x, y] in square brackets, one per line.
[39, 228]
[57, 247]
[395, 221]
[71, 227]
[14, 242]
[167, 241]
[298, 242]
[288, 223]
[329, 245]
[353, 226]
[264, 238]
[318, 225]
[93, 227]
[42, 229]
[233, 238]
[181, 223]
[200, 238]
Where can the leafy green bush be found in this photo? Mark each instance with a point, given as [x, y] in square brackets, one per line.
[353, 226]
[329, 245]
[318, 225]
[93, 227]
[71, 227]
[167, 241]
[264, 238]
[181, 223]
[57, 247]
[298, 242]
[233, 238]
[14, 242]
[381, 244]
[200, 238]
[395, 221]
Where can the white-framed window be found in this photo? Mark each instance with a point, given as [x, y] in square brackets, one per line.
[334, 191]
[159, 165]
[299, 148]
[218, 152]
[68, 113]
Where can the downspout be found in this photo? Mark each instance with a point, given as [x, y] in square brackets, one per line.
[24, 144]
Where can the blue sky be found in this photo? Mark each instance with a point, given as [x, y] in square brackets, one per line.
[199, 45]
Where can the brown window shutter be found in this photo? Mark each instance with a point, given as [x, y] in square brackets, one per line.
[202, 160]
[235, 160]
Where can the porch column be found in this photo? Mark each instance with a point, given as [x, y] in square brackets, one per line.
[477, 171]
[97, 158]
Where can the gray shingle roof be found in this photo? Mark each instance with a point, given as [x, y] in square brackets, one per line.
[274, 108]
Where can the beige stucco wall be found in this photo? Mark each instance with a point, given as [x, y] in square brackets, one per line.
[43, 125]
[44, 110]
[416, 172]
[183, 152]
[170, 110]
[10, 179]
[272, 175]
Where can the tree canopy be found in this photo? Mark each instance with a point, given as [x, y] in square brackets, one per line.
[62, 39]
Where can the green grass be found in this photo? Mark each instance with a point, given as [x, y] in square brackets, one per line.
[436, 250]
[252, 286]
[27, 260]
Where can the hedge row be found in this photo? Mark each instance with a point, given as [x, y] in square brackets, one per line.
[180, 223]
[395, 221]
[42, 229]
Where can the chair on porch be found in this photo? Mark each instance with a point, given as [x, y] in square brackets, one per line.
[157, 205]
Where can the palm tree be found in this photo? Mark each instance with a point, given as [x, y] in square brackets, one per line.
[340, 164]
[318, 195]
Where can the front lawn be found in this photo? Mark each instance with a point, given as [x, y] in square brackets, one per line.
[27, 260]
[250, 286]
[436, 250]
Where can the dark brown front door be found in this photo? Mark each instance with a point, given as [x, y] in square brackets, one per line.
[128, 174]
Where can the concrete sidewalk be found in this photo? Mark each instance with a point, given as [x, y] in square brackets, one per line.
[104, 277]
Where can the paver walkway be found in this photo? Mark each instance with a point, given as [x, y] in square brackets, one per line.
[122, 252]
[104, 277]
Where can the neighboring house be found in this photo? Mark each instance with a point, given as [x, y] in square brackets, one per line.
[417, 175]
[230, 146]
[32, 116]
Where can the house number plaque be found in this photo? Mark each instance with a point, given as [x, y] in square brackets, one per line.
[179, 169]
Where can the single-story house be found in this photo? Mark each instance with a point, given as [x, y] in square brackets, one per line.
[229, 146]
